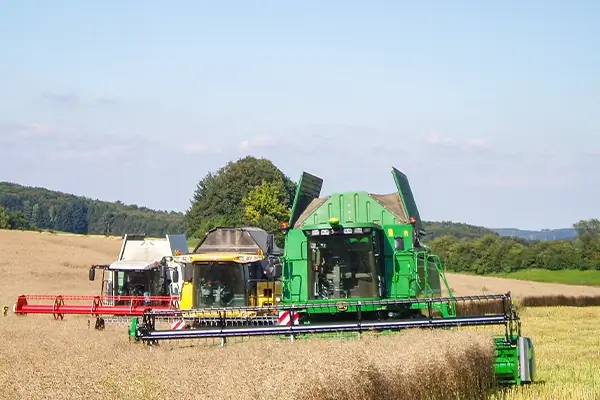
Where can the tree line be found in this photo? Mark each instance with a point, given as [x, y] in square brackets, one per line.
[253, 191]
[491, 253]
[23, 207]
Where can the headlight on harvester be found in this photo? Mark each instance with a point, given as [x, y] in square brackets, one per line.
[249, 258]
[183, 259]
[277, 299]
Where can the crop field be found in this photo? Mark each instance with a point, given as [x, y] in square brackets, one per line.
[569, 276]
[473, 284]
[46, 359]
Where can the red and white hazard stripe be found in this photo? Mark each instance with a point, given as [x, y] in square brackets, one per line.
[285, 318]
[177, 325]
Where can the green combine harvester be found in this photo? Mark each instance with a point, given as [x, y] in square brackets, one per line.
[354, 262]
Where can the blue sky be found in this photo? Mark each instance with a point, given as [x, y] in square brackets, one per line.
[492, 109]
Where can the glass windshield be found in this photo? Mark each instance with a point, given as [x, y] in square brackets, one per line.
[139, 283]
[342, 266]
[219, 284]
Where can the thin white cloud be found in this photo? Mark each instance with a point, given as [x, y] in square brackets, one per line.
[43, 154]
[477, 144]
[260, 141]
[107, 101]
[441, 141]
[200, 148]
[21, 131]
[109, 152]
[512, 181]
[38, 140]
[593, 153]
[438, 140]
[41, 139]
[194, 148]
[62, 98]
[40, 128]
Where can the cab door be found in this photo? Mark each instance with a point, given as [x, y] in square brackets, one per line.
[379, 259]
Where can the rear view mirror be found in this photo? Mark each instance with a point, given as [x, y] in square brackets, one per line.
[175, 276]
[277, 270]
[272, 268]
[399, 243]
[92, 274]
[270, 240]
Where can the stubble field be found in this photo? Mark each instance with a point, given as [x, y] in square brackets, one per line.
[46, 359]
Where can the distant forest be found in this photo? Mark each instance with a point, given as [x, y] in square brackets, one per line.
[23, 207]
[543, 235]
[39, 208]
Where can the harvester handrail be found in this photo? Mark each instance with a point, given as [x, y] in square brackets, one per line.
[93, 297]
[220, 329]
[148, 333]
[336, 304]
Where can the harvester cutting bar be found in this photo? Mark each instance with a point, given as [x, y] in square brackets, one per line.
[211, 320]
[125, 320]
[96, 305]
[506, 316]
[321, 328]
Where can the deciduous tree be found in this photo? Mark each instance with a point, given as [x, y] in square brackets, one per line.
[219, 196]
[267, 200]
[4, 218]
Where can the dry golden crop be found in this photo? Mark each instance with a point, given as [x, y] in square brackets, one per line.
[72, 362]
[46, 359]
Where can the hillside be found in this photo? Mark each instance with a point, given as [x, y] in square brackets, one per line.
[457, 229]
[35, 207]
[467, 231]
[542, 235]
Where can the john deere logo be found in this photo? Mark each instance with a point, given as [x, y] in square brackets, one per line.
[341, 306]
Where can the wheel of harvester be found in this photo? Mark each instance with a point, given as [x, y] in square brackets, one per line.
[99, 324]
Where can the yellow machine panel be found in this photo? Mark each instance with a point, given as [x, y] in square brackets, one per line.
[231, 270]
[186, 297]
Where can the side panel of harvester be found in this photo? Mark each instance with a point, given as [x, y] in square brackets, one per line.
[295, 268]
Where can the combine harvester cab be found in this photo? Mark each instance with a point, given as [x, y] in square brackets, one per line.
[228, 269]
[143, 277]
[356, 262]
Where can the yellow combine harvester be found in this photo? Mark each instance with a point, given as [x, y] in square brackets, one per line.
[230, 268]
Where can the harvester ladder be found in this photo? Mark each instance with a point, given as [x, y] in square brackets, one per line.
[439, 265]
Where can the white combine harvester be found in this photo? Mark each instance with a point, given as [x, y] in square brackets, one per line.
[144, 268]
[144, 277]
